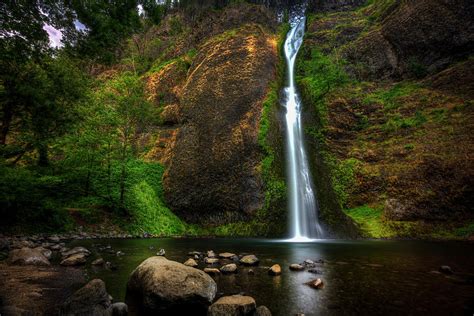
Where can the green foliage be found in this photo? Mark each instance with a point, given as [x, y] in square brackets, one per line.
[370, 221]
[32, 199]
[389, 98]
[149, 214]
[397, 122]
[342, 176]
[107, 25]
[318, 76]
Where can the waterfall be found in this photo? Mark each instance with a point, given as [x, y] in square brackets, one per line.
[303, 206]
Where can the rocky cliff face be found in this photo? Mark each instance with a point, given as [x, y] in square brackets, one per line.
[211, 110]
[415, 38]
[214, 167]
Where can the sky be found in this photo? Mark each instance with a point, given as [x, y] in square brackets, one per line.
[55, 35]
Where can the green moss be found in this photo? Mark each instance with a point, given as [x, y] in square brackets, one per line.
[317, 76]
[370, 221]
[342, 176]
[397, 122]
[389, 98]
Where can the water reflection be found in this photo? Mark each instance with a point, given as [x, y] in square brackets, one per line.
[367, 278]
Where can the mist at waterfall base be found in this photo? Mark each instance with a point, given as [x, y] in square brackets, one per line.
[303, 205]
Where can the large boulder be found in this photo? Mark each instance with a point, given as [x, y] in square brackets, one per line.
[234, 305]
[159, 285]
[214, 173]
[92, 299]
[28, 256]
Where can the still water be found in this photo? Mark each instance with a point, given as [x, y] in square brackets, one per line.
[361, 277]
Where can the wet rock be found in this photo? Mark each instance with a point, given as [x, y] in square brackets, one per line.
[308, 262]
[226, 255]
[92, 299]
[109, 265]
[120, 253]
[212, 271]
[54, 239]
[262, 311]
[161, 252]
[98, 262]
[446, 270]
[18, 244]
[75, 250]
[159, 285]
[191, 263]
[211, 254]
[28, 256]
[250, 272]
[315, 271]
[316, 284]
[211, 260]
[229, 268]
[119, 309]
[55, 247]
[4, 244]
[74, 260]
[296, 267]
[249, 260]
[194, 253]
[46, 252]
[234, 305]
[274, 270]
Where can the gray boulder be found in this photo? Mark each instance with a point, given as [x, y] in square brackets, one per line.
[249, 260]
[92, 299]
[234, 305]
[118, 309]
[262, 311]
[28, 256]
[159, 285]
[74, 260]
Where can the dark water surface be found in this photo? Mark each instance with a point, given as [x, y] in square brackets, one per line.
[361, 277]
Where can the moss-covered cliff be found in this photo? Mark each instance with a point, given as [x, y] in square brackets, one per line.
[390, 86]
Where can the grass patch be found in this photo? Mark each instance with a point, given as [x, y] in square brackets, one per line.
[389, 98]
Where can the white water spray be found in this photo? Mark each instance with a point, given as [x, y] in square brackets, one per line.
[304, 224]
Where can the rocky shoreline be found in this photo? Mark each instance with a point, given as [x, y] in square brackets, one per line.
[44, 268]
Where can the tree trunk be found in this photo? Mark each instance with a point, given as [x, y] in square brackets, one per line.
[6, 121]
[43, 160]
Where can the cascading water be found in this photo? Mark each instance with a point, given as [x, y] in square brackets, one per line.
[304, 224]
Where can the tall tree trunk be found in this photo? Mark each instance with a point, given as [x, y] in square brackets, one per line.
[6, 122]
[43, 159]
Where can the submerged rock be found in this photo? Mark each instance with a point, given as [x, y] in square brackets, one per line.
[446, 270]
[98, 262]
[119, 309]
[274, 270]
[159, 285]
[234, 305]
[316, 284]
[28, 256]
[212, 271]
[74, 260]
[229, 268]
[92, 299]
[191, 263]
[226, 255]
[296, 267]
[75, 250]
[263, 311]
[211, 260]
[249, 260]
